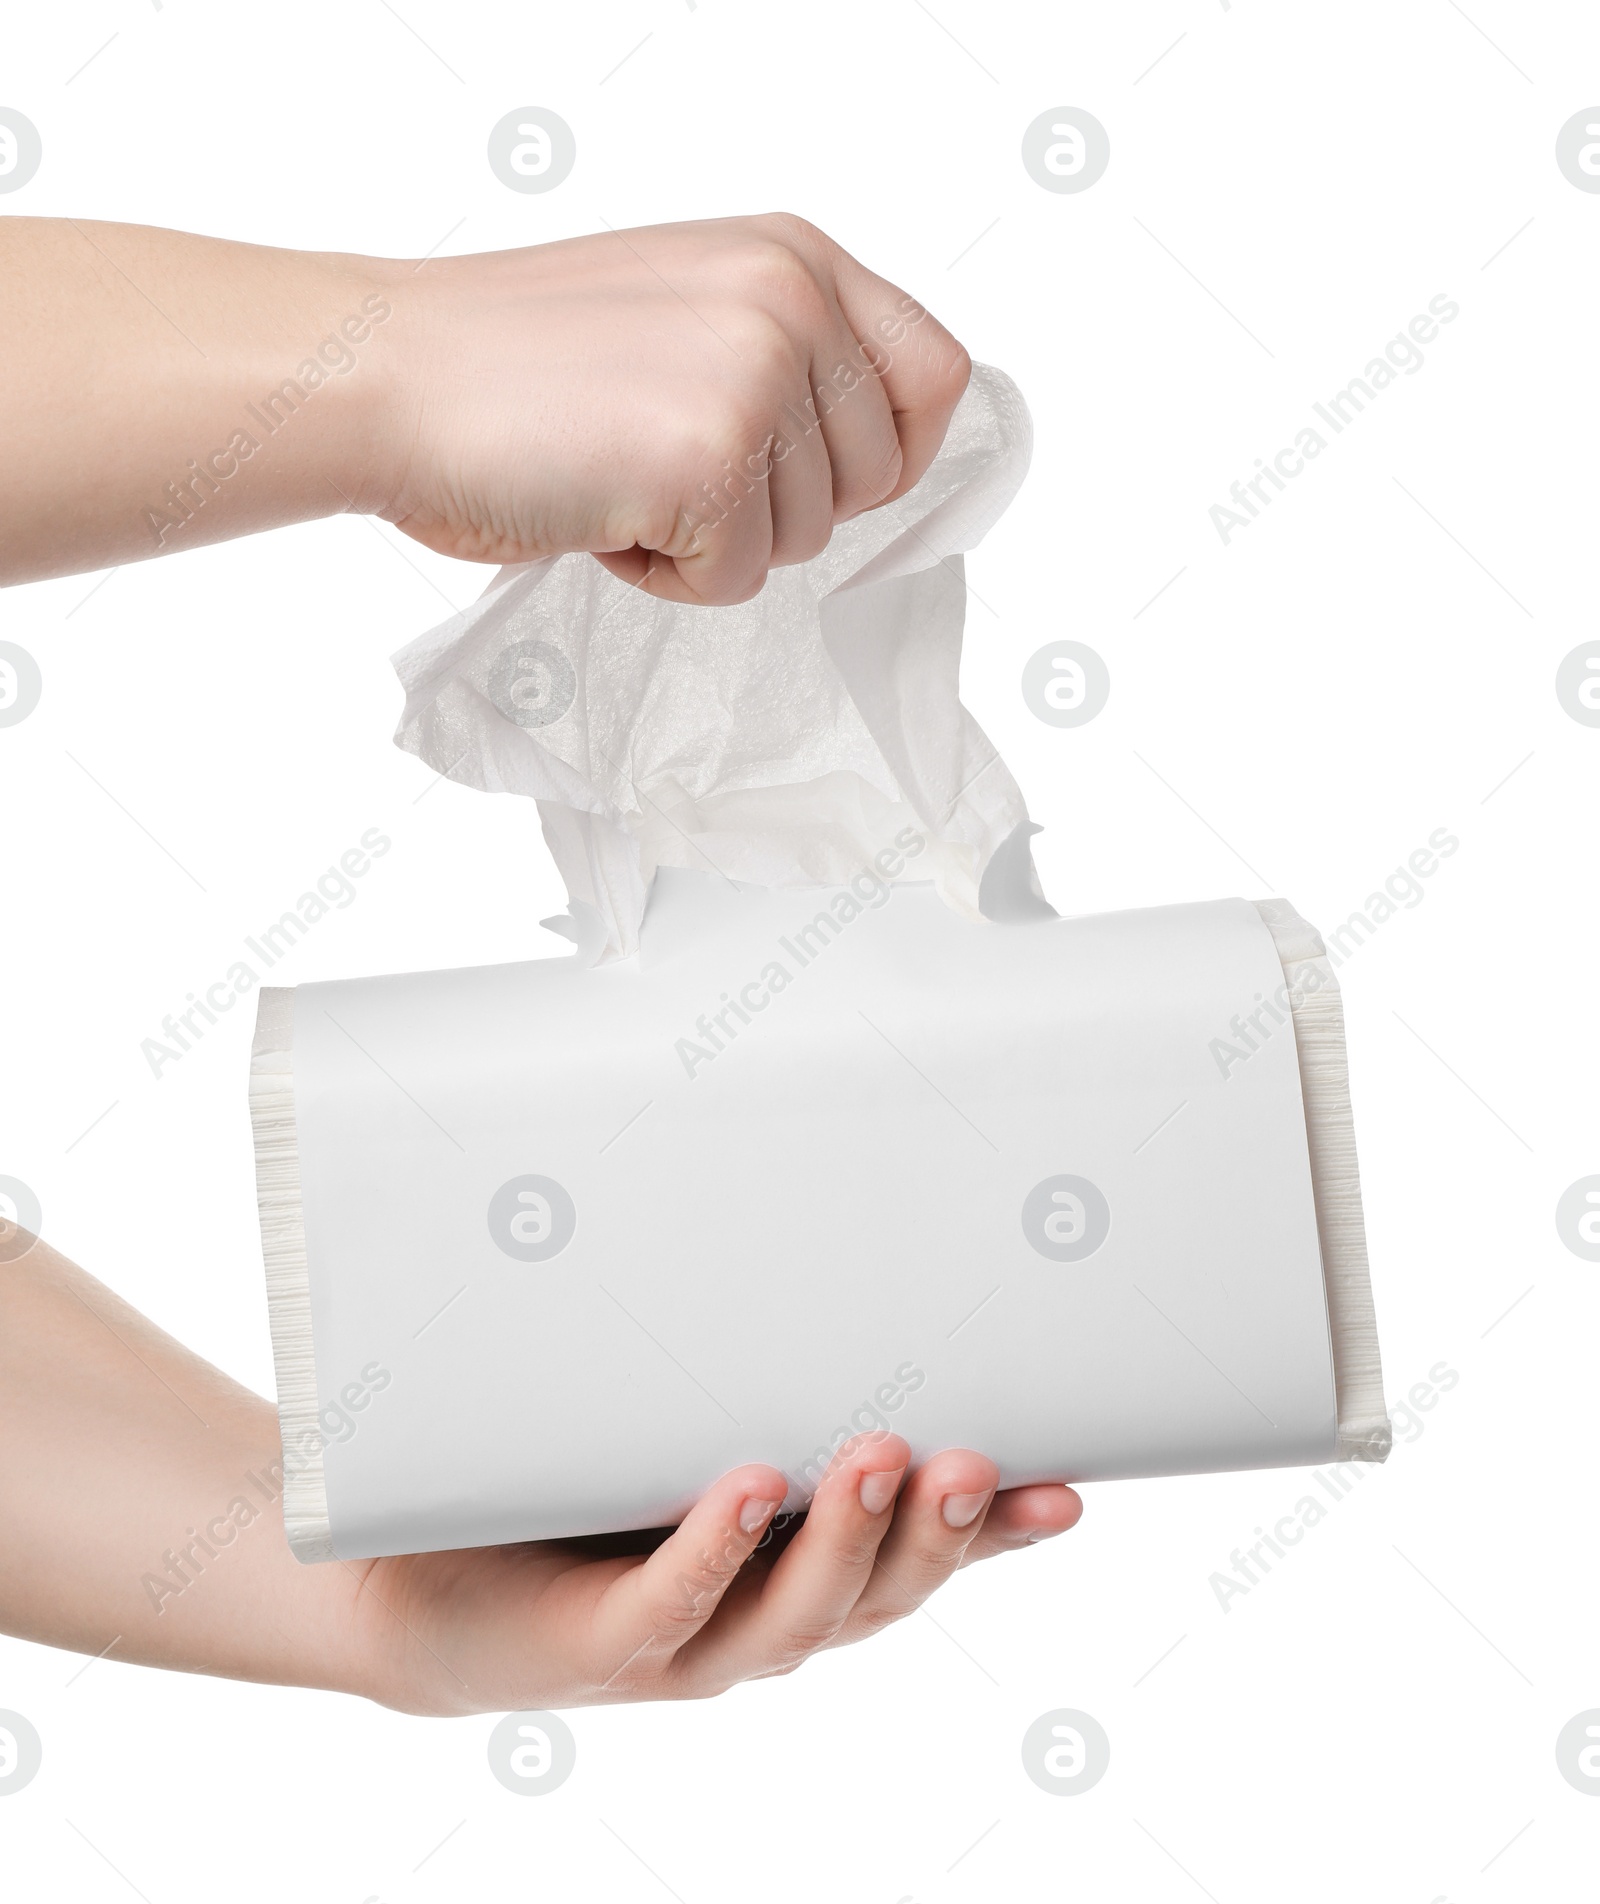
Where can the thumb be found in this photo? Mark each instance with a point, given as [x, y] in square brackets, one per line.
[652, 1610]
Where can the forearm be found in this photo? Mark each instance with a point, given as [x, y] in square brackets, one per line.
[692, 404]
[140, 1499]
[163, 390]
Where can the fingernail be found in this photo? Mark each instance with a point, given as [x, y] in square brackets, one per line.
[961, 1510]
[1045, 1533]
[755, 1512]
[879, 1488]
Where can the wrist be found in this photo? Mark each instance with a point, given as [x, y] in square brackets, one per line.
[340, 377]
[383, 1656]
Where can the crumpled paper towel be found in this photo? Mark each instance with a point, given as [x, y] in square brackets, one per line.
[783, 742]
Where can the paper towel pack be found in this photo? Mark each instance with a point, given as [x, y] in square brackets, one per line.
[781, 741]
[531, 1275]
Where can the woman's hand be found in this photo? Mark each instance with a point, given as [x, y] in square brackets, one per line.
[720, 1599]
[693, 403]
[137, 1499]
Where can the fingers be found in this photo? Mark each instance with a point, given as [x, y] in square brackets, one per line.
[891, 374]
[921, 368]
[802, 485]
[811, 1590]
[941, 1511]
[781, 514]
[850, 410]
[783, 463]
[650, 1611]
[868, 1553]
[722, 544]
[1021, 1516]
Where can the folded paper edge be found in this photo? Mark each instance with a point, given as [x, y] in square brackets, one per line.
[1317, 1010]
[283, 1247]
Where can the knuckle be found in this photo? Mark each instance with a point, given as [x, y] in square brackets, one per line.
[958, 371]
[798, 228]
[885, 473]
[693, 1687]
[727, 588]
[871, 479]
[794, 548]
[859, 1549]
[712, 1570]
[686, 1604]
[769, 266]
[713, 557]
[800, 536]
[874, 1619]
[640, 1675]
[769, 355]
[739, 436]
[797, 1642]
[930, 1564]
[670, 1620]
[774, 1669]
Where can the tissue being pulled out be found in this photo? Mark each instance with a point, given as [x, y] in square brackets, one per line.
[782, 742]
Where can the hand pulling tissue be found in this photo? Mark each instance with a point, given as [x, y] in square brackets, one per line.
[781, 742]
[830, 1125]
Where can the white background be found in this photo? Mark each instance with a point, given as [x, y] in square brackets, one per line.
[1378, 1717]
